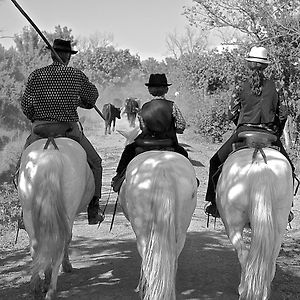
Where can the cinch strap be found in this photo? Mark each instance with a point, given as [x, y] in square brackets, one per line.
[50, 139]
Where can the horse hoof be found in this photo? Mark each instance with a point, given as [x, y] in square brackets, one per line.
[67, 267]
[51, 295]
[36, 286]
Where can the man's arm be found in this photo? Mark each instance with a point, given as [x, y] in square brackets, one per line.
[281, 112]
[88, 93]
[180, 123]
[234, 106]
[27, 99]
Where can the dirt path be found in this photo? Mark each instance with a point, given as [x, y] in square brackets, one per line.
[106, 263]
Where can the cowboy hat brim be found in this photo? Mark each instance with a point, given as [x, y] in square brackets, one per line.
[157, 85]
[63, 50]
[257, 59]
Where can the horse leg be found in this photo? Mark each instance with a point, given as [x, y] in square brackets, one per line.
[36, 283]
[48, 274]
[280, 216]
[66, 265]
[141, 246]
[235, 234]
[52, 292]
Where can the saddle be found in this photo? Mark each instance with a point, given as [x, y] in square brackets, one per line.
[259, 139]
[250, 139]
[254, 139]
[53, 130]
[143, 145]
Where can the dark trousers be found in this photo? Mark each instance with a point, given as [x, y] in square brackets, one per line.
[221, 155]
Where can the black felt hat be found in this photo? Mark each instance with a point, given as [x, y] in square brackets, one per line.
[63, 45]
[156, 80]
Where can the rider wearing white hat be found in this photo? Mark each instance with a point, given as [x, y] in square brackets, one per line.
[258, 54]
[253, 107]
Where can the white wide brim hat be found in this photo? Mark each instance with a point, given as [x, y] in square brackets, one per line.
[258, 54]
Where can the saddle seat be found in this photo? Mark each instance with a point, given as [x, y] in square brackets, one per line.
[52, 130]
[257, 139]
[143, 145]
[254, 139]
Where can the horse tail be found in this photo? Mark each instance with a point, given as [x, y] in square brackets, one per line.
[50, 220]
[259, 265]
[159, 265]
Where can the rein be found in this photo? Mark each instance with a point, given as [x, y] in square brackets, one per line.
[115, 209]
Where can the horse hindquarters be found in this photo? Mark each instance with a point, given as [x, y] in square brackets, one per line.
[267, 231]
[50, 231]
[159, 256]
[158, 197]
[261, 194]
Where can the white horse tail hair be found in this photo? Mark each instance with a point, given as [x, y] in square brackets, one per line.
[50, 220]
[159, 263]
[258, 270]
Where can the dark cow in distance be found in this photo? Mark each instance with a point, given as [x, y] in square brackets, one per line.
[110, 113]
[131, 108]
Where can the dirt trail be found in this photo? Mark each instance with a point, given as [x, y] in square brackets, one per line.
[106, 263]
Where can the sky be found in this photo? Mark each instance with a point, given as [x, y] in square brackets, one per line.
[138, 25]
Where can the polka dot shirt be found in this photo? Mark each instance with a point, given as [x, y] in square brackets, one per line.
[54, 93]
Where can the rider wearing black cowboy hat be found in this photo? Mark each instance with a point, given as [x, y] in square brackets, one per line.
[160, 121]
[52, 95]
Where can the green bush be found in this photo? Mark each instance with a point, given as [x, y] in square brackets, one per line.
[212, 121]
[9, 207]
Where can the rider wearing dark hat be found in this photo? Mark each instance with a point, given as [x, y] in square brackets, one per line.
[51, 98]
[160, 121]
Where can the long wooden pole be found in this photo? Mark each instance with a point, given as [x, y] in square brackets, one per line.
[47, 43]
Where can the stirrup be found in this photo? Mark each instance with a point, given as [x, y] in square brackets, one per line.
[212, 210]
[291, 217]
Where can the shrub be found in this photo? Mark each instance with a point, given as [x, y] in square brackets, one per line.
[212, 117]
[9, 207]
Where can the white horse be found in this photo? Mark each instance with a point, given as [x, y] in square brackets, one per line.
[158, 198]
[256, 188]
[53, 186]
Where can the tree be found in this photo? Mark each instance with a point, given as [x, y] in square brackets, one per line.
[106, 65]
[151, 65]
[192, 41]
[274, 24]
[94, 41]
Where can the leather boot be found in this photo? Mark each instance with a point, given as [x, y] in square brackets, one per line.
[95, 215]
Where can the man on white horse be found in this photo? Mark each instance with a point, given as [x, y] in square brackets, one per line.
[160, 121]
[52, 96]
[255, 106]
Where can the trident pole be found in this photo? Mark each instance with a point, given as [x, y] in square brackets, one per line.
[46, 41]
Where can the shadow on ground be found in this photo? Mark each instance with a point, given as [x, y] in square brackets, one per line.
[109, 269]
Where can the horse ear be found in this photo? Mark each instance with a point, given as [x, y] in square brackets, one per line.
[130, 135]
